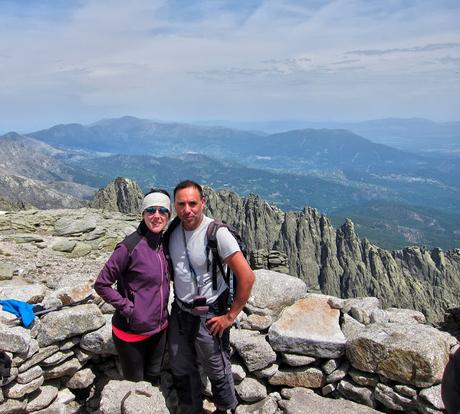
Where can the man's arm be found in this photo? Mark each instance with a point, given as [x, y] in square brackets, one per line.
[245, 279]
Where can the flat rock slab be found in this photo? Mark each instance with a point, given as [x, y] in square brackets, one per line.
[405, 316]
[42, 398]
[24, 238]
[307, 377]
[13, 406]
[301, 401]
[66, 369]
[16, 391]
[30, 292]
[413, 354]
[67, 226]
[268, 405]
[309, 327]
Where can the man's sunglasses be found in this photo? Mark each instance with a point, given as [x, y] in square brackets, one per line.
[152, 210]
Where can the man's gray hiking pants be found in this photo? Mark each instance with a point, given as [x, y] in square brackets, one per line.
[190, 344]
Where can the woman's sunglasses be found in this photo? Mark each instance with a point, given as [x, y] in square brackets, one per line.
[152, 210]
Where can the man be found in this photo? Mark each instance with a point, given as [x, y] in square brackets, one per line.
[200, 319]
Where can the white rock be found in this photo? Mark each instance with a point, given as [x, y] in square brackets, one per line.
[274, 291]
[253, 349]
[15, 339]
[297, 360]
[115, 393]
[309, 327]
[302, 401]
[251, 390]
[433, 396]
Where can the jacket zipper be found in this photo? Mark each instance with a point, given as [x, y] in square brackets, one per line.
[161, 287]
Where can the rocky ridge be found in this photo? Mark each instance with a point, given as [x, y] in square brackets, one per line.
[337, 262]
[19, 190]
[122, 194]
[31, 173]
[306, 245]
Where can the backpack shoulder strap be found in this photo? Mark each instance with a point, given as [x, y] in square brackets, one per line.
[130, 242]
[211, 246]
[135, 237]
[166, 237]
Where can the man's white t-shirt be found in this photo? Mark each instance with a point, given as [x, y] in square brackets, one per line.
[185, 285]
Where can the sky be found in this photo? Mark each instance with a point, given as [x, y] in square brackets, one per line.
[64, 61]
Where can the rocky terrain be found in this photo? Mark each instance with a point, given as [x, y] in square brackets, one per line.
[303, 244]
[295, 348]
[292, 350]
[338, 263]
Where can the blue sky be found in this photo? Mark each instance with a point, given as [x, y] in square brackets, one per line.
[249, 60]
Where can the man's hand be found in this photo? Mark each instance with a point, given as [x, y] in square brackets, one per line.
[218, 324]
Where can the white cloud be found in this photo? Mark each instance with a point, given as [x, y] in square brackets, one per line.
[195, 60]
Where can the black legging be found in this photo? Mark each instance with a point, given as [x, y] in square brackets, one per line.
[450, 388]
[142, 360]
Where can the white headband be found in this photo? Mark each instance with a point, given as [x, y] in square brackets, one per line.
[156, 199]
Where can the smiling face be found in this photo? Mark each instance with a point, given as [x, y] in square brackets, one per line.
[189, 207]
[155, 221]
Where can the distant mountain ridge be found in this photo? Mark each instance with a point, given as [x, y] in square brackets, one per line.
[131, 135]
[417, 135]
[298, 151]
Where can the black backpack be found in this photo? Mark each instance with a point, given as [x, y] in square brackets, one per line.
[211, 247]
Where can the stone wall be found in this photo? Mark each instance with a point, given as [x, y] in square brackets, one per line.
[293, 350]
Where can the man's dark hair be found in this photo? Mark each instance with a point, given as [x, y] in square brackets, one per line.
[157, 190]
[188, 184]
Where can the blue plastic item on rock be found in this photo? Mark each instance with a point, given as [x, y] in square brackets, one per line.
[22, 310]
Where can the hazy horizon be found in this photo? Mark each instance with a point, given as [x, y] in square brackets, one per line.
[267, 126]
[213, 61]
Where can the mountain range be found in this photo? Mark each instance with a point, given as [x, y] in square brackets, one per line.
[336, 171]
[416, 135]
[299, 151]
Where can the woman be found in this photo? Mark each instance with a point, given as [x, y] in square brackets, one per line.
[140, 270]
